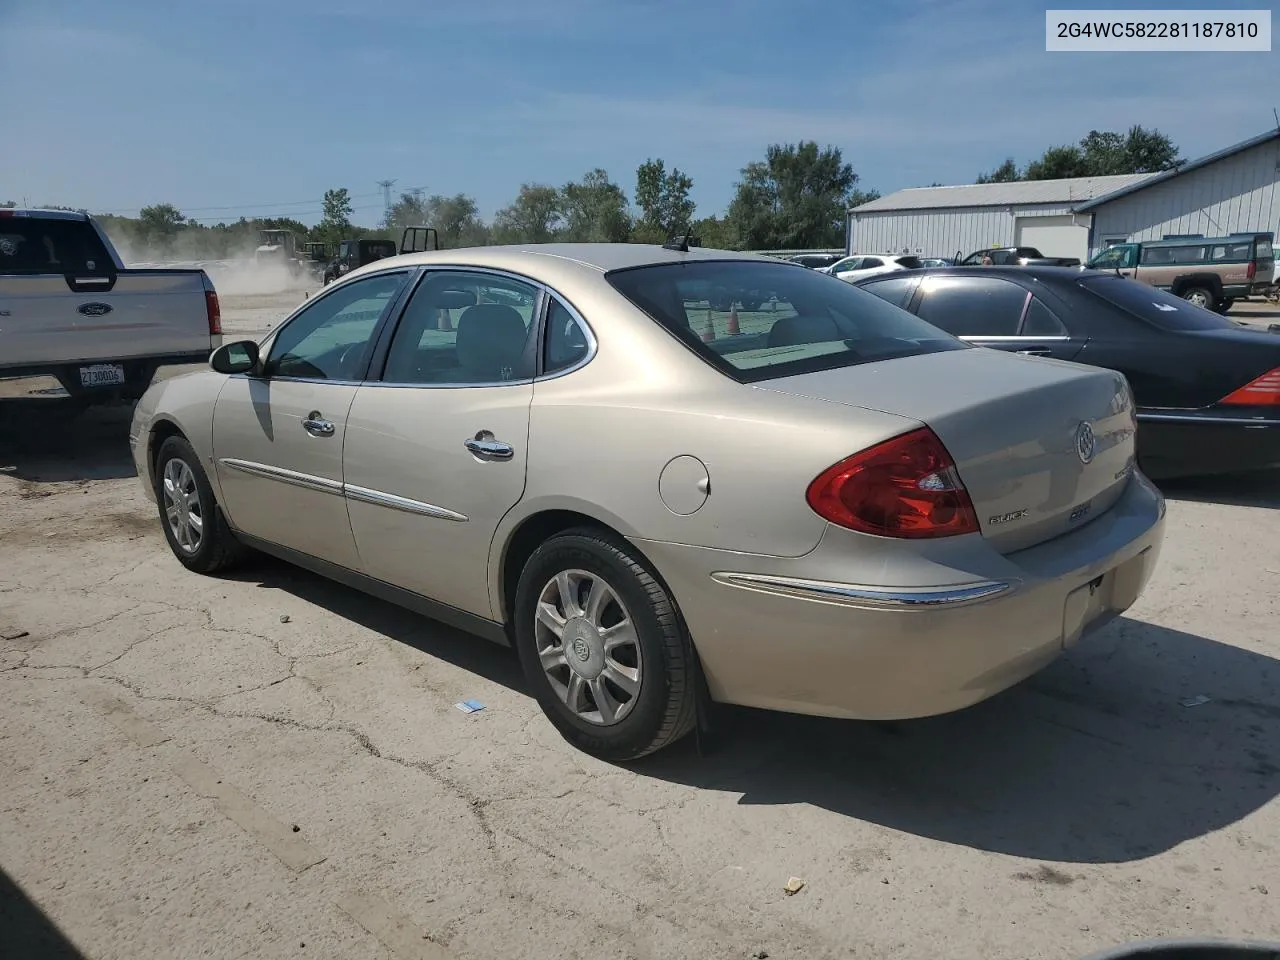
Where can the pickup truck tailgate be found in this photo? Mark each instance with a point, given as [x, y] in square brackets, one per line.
[144, 313]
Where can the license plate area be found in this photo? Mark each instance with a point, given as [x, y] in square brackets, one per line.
[102, 375]
[1103, 598]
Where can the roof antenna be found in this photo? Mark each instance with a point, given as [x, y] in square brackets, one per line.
[680, 244]
[1277, 116]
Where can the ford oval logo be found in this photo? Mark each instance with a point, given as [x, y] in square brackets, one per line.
[1086, 442]
[95, 309]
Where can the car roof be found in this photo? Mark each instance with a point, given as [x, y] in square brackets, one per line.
[601, 257]
[1196, 241]
[1050, 274]
[38, 214]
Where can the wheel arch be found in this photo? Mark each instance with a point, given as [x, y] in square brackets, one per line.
[162, 428]
[1210, 280]
[534, 529]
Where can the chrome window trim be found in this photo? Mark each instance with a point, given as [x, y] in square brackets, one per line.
[978, 336]
[332, 383]
[292, 477]
[380, 499]
[884, 598]
[522, 382]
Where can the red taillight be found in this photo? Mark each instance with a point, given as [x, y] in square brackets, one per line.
[905, 487]
[214, 309]
[1262, 392]
[1252, 271]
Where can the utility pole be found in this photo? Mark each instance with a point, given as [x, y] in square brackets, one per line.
[386, 186]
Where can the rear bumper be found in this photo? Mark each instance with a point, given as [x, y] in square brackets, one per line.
[1198, 443]
[794, 635]
[63, 377]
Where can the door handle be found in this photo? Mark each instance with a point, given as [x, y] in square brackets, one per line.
[317, 425]
[484, 447]
[1035, 352]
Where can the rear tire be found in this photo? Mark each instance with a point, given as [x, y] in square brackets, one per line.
[1200, 296]
[593, 624]
[192, 521]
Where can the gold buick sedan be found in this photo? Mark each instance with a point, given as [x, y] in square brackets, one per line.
[821, 505]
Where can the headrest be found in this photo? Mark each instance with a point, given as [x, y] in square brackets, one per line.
[491, 341]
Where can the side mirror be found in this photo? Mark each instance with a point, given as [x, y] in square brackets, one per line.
[238, 357]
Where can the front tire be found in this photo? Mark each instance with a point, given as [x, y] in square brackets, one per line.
[193, 523]
[603, 647]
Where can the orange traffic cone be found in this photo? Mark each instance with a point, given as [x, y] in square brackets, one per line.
[444, 323]
[709, 331]
[734, 329]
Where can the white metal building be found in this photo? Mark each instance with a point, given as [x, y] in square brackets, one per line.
[1236, 190]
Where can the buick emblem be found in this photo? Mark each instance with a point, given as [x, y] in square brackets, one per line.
[95, 309]
[1086, 442]
[581, 649]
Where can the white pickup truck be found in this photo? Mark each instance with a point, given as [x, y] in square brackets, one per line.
[71, 310]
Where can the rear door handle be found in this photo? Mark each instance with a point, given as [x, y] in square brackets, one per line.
[317, 425]
[484, 447]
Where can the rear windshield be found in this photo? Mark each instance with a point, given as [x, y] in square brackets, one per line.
[1157, 307]
[50, 245]
[789, 320]
[382, 248]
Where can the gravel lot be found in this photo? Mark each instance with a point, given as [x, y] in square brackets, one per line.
[270, 765]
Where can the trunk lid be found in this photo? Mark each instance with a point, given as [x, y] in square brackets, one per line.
[1013, 425]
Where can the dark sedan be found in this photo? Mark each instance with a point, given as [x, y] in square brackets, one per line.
[1207, 387]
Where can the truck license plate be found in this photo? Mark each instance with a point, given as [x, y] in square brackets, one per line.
[102, 375]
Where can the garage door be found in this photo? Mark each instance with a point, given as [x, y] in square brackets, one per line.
[1054, 236]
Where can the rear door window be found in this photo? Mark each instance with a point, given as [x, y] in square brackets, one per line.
[1041, 321]
[972, 306]
[870, 262]
[37, 245]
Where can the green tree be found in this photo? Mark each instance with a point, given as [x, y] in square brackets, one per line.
[595, 210]
[159, 225]
[1058, 163]
[716, 233]
[1148, 151]
[410, 210]
[1102, 153]
[337, 209]
[533, 217]
[457, 220]
[666, 209]
[1007, 172]
[795, 198]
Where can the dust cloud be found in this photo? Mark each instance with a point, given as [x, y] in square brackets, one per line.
[237, 275]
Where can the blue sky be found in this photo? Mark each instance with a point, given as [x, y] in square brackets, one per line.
[234, 107]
